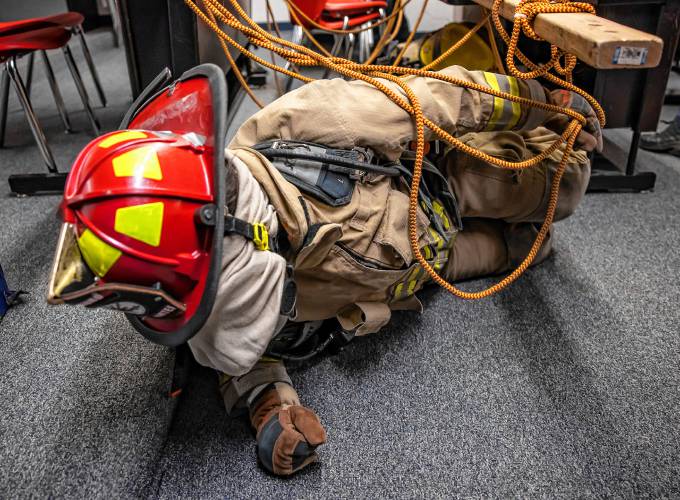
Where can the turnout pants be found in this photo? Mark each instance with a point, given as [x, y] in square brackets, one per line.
[503, 209]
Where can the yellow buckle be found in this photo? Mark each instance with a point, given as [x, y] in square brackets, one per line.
[260, 236]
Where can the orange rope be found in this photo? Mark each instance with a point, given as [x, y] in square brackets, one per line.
[412, 34]
[303, 56]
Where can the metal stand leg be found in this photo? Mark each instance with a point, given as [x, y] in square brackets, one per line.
[351, 40]
[4, 102]
[81, 89]
[29, 74]
[115, 18]
[56, 93]
[337, 44]
[607, 176]
[38, 134]
[90, 64]
[298, 35]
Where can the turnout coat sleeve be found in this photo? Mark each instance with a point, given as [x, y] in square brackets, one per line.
[346, 114]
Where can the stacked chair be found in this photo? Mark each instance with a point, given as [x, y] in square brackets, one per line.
[340, 15]
[25, 38]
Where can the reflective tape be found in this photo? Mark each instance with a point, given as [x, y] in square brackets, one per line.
[98, 255]
[141, 222]
[505, 114]
[139, 162]
[126, 135]
[439, 210]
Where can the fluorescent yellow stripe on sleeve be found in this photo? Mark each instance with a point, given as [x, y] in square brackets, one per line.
[497, 102]
[516, 108]
[126, 135]
[398, 290]
[412, 287]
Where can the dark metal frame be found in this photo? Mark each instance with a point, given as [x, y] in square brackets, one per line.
[609, 175]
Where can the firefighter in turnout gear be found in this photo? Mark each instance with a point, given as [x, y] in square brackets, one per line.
[306, 244]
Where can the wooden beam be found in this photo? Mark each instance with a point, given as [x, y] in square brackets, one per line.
[596, 41]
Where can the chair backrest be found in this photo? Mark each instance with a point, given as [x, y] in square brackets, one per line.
[311, 8]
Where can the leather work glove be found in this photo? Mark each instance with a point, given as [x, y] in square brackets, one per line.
[590, 136]
[287, 435]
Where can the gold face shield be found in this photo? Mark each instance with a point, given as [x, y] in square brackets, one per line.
[73, 282]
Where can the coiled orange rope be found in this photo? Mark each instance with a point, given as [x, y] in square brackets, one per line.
[527, 10]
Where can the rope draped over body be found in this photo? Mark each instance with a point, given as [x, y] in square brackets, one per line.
[526, 12]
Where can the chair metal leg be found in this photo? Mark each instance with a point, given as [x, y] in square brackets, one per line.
[29, 73]
[56, 93]
[81, 89]
[370, 41]
[351, 40]
[381, 27]
[90, 64]
[338, 43]
[12, 70]
[4, 102]
[298, 36]
[116, 24]
[363, 44]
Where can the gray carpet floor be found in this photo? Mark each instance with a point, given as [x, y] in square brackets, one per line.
[566, 385]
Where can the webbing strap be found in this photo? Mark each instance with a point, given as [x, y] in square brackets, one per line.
[255, 232]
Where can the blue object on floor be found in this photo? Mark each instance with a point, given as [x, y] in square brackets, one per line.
[7, 296]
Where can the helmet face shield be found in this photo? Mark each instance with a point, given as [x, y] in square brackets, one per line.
[73, 282]
[143, 225]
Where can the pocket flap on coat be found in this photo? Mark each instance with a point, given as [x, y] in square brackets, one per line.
[365, 317]
[316, 251]
[393, 231]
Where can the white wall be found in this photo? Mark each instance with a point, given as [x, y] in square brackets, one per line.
[437, 14]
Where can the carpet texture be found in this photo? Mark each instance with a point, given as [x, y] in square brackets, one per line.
[565, 385]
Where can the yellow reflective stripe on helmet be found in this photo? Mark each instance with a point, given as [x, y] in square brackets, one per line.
[126, 135]
[98, 255]
[141, 222]
[498, 103]
[138, 162]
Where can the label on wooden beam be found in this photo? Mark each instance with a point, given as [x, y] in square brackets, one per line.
[630, 56]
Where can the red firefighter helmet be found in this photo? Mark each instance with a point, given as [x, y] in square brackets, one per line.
[142, 210]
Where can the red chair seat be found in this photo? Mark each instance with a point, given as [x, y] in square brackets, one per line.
[353, 5]
[66, 20]
[39, 39]
[353, 21]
